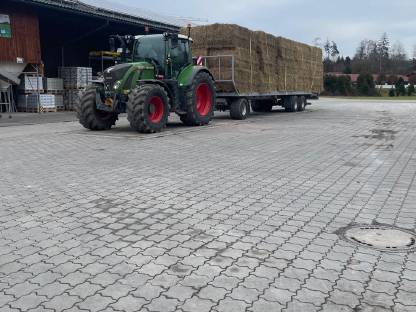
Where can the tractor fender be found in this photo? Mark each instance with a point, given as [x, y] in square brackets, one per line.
[186, 77]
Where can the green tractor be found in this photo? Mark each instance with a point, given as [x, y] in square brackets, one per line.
[156, 75]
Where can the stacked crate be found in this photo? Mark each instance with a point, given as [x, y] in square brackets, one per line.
[72, 99]
[30, 91]
[55, 87]
[37, 94]
[30, 84]
[36, 103]
[75, 80]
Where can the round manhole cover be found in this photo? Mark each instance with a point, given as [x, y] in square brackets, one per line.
[381, 237]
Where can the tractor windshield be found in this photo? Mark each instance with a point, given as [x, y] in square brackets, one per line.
[150, 47]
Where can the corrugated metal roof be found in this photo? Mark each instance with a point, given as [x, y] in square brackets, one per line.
[130, 10]
[115, 11]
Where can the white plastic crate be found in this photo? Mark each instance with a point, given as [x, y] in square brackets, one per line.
[59, 101]
[72, 99]
[75, 77]
[33, 102]
[53, 84]
[31, 83]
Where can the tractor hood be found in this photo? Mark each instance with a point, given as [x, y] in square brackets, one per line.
[115, 73]
[123, 77]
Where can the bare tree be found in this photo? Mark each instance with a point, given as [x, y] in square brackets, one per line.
[398, 52]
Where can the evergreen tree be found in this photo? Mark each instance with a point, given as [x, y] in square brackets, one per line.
[327, 48]
[383, 51]
[347, 66]
[410, 90]
[400, 87]
[334, 50]
[366, 85]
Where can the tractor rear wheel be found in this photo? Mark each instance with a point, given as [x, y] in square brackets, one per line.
[148, 109]
[200, 101]
[240, 109]
[91, 117]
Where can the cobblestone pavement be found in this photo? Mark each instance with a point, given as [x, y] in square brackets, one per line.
[237, 216]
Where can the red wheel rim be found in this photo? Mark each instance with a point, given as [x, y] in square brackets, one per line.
[156, 109]
[203, 99]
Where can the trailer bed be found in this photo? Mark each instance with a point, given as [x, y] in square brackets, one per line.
[241, 103]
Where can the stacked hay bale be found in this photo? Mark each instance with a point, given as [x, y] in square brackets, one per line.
[263, 63]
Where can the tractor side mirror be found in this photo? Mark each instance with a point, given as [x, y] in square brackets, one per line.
[112, 44]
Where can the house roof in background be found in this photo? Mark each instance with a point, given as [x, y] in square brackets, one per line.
[354, 77]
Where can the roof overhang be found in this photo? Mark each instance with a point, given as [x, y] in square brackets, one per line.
[78, 7]
[180, 36]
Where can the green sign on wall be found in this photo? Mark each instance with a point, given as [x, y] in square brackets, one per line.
[5, 29]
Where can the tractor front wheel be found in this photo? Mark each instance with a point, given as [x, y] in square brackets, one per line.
[91, 117]
[148, 109]
[200, 101]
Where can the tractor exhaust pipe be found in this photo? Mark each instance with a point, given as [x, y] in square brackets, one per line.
[189, 30]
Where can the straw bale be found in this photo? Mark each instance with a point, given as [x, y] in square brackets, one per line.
[263, 63]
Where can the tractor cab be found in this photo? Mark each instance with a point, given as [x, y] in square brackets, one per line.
[169, 53]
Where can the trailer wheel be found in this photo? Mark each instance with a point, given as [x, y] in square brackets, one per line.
[200, 98]
[92, 118]
[291, 104]
[148, 109]
[301, 103]
[240, 109]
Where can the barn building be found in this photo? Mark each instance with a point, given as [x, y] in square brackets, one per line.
[43, 35]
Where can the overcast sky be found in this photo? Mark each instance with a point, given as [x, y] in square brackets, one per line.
[346, 22]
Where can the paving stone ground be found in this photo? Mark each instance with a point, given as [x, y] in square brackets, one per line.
[237, 216]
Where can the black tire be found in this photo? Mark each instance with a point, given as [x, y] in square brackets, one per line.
[92, 118]
[239, 109]
[301, 103]
[262, 106]
[200, 101]
[291, 104]
[148, 109]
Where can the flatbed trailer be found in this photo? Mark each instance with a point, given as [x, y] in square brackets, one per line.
[241, 104]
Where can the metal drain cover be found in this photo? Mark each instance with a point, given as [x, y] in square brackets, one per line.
[380, 237]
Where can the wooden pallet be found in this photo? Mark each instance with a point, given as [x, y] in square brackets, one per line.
[24, 91]
[75, 88]
[55, 92]
[36, 110]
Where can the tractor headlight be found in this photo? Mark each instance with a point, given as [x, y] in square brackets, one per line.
[117, 85]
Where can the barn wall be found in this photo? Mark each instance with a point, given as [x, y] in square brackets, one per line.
[25, 40]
